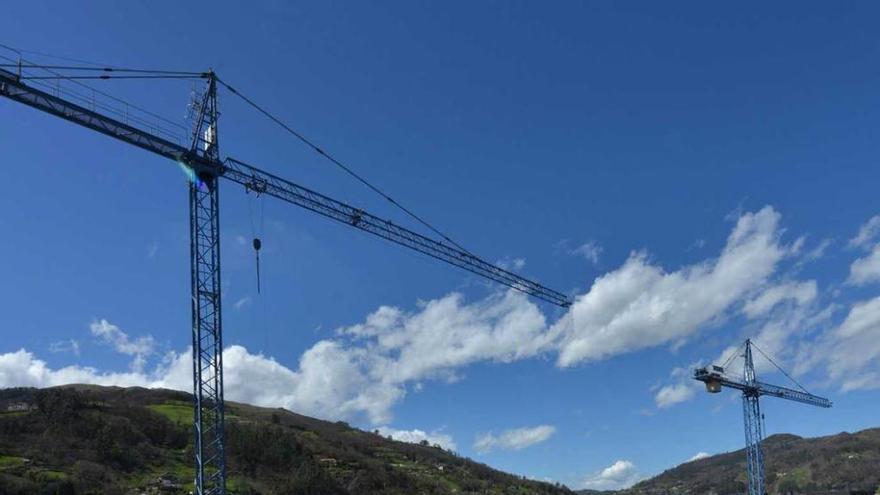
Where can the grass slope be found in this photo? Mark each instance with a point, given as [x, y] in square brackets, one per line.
[88, 439]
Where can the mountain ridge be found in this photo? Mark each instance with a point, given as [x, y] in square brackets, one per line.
[91, 439]
[843, 463]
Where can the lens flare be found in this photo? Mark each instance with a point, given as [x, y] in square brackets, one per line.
[191, 175]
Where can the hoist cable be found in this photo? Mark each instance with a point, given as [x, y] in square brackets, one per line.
[780, 368]
[31, 65]
[733, 356]
[26, 64]
[106, 76]
[339, 164]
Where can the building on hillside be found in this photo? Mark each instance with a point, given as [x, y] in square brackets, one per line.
[20, 407]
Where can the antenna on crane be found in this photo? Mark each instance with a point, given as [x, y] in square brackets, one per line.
[716, 378]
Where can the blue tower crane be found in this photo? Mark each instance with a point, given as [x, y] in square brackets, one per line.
[25, 83]
[716, 378]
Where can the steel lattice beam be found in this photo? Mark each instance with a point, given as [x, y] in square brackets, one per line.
[256, 179]
[207, 333]
[754, 426]
[754, 429]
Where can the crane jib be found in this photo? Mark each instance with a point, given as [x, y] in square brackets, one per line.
[237, 171]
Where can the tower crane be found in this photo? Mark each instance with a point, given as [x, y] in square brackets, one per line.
[202, 161]
[716, 378]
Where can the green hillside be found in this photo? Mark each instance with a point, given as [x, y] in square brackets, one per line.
[847, 463]
[87, 439]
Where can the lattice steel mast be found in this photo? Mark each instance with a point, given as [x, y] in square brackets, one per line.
[752, 389]
[207, 334]
[203, 162]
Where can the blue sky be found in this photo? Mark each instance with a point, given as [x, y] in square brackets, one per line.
[693, 174]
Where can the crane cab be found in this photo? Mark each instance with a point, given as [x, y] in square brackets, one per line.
[711, 377]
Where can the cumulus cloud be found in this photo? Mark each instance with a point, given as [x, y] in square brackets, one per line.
[866, 269]
[640, 305]
[22, 369]
[112, 335]
[448, 333]
[512, 264]
[851, 351]
[320, 387]
[796, 330]
[622, 474]
[367, 368]
[867, 233]
[152, 249]
[670, 395]
[681, 388]
[817, 252]
[515, 439]
[801, 293]
[63, 346]
[590, 251]
[418, 436]
[699, 455]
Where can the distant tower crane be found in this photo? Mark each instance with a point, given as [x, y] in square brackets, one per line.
[752, 389]
[200, 158]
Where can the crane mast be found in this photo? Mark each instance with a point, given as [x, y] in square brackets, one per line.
[207, 334]
[752, 389]
[754, 425]
[203, 162]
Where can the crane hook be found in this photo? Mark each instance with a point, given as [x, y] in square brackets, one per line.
[257, 245]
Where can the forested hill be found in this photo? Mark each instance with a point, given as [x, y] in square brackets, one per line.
[847, 463]
[87, 439]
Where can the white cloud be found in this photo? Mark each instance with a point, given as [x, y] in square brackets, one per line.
[699, 455]
[866, 269]
[852, 350]
[367, 368]
[70, 345]
[395, 347]
[682, 389]
[867, 233]
[783, 321]
[22, 369]
[110, 334]
[670, 395]
[639, 305]
[152, 249]
[242, 303]
[800, 292]
[817, 252]
[514, 264]
[363, 373]
[418, 436]
[515, 439]
[622, 474]
[590, 251]
[324, 386]
[697, 244]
